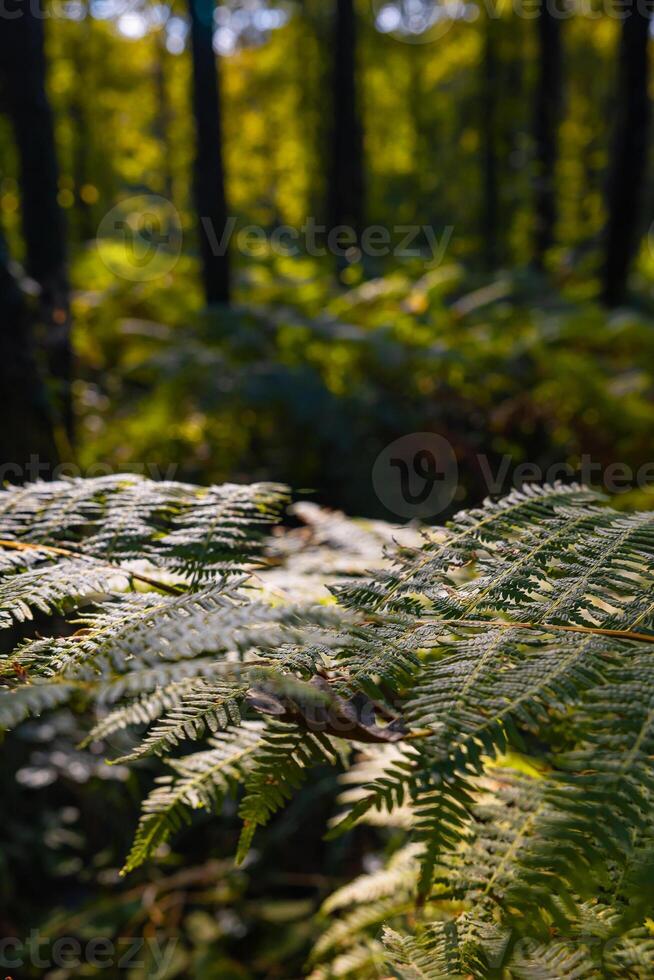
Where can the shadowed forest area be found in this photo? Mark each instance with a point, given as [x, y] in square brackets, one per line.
[397, 255]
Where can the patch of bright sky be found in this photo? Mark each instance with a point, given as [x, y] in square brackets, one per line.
[247, 22]
[416, 17]
[176, 33]
[238, 23]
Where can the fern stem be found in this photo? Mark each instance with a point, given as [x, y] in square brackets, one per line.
[69, 553]
[541, 627]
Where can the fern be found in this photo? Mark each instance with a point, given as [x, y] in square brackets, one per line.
[431, 957]
[278, 771]
[200, 706]
[201, 780]
[493, 677]
[177, 526]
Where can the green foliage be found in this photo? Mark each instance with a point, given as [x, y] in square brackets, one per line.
[278, 770]
[497, 673]
[498, 366]
[201, 780]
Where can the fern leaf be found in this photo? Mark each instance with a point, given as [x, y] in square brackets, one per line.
[122, 518]
[432, 956]
[198, 707]
[278, 771]
[200, 780]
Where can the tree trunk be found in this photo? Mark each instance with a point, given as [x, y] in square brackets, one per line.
[22, 67]
[345, 194]
[163, 118]
[629, 162]
[210, 198]
[80, 123]
[27, 433]
[548, 108]
[490, 217]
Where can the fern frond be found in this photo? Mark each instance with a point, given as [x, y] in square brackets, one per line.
[149, 629]
[419, 573]
[370, 766]
[554, 961]
[164, 689]
[348, 930]
[631, 955]
[19, 703]
[124, 518]
[277, 772]
[399, 876]
[194, 708]
[359, 962]
[600, 801]
[432, 956]
[526, 626]
[59, 588]
[200, 781]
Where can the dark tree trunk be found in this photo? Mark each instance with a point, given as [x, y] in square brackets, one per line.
[22, 69]
[163, 115]
[548, 109]
[86, 227]
[210, 198]
[490, 216]
[27, 432]
[629, 162]
[345, 194]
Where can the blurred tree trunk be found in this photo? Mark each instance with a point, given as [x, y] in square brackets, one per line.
[490, 216]
[629, 161]
[27, 428]
[346, 185]
[314, 64]
[163, 116]
[548, 110]
[210, 198]
[81, 140]
[22, 69]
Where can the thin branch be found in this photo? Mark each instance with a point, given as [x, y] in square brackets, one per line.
[541, 627]
[68, 553]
